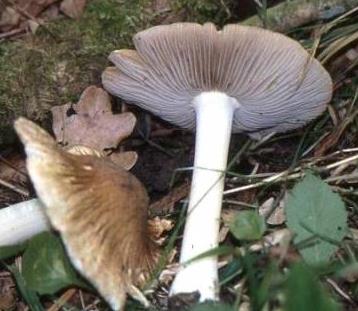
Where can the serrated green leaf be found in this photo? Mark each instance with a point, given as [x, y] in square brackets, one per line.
[212, 307]
[247, 225]
[304, 292]
[46, 267]
[10, 251]
[317, 217]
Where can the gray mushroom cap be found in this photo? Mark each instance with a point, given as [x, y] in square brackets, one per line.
[278, 85]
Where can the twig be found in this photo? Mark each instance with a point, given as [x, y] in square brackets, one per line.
[29, 16]
[340, 291]
[291, 14]
[296, 173]
[6, 162]
[344, 161]
[347, 177]
[66, 296]
[11, 33]
[166, 204]
[14, 188]
[270, 180]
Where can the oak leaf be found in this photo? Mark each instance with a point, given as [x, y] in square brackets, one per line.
[90, 122]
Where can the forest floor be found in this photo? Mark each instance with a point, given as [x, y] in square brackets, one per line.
[48, 58]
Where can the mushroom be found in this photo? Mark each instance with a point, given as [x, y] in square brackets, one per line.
[239, 79]
[21, 221]
[100, 210]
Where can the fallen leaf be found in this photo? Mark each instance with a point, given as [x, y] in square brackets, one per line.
[34, 7]
[166, 204]
[158, 226]
[33, 26]
[272, 216]
[9, 18]
[125, 160]
[73, 8]
[13, 168]
[7, 293]
[333, 138]
[15, 12]
[91, 122]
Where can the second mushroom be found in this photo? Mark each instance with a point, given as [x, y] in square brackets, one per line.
[239, 79]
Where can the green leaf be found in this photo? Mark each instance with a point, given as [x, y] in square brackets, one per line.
[247, 225]
[46, 267]
[304, 292]
[231, 270]
[212, 307]
[10, 251]
[318, 218]
[28, 294]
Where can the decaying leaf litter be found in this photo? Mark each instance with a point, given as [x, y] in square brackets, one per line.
[272, 166]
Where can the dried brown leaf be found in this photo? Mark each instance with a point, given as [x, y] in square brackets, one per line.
[158, 226]
[33, 7]
[7, 294]
[274, 216]
[91, 122]
[126, 160]
[14, 12]
[333, 138]
[9, 18]
[73, 8]
[166, 204]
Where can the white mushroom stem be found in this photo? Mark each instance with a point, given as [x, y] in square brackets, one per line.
[21, 221]
[214, 113]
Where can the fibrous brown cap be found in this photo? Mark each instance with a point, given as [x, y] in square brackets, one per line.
[278, 85]
[100, 210]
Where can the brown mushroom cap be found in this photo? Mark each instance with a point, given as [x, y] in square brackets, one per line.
[100, 211]
[278, 85]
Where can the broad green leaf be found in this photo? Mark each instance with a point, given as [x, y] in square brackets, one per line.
[46, 268]
[28, 293]
[247, 225]
[267, 290]
[10, 251]
[317, 217]
[304, 292]
[212, 307]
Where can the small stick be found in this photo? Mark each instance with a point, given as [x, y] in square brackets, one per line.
[11, 33]
[340, 291]
[65, 297]
[6, 162]
[344, 161]
[14, 188]
[284, 175]
[29, 16]
[291, 14]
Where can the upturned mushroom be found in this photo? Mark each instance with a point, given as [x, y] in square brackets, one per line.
[100, 211]
[239, 79]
